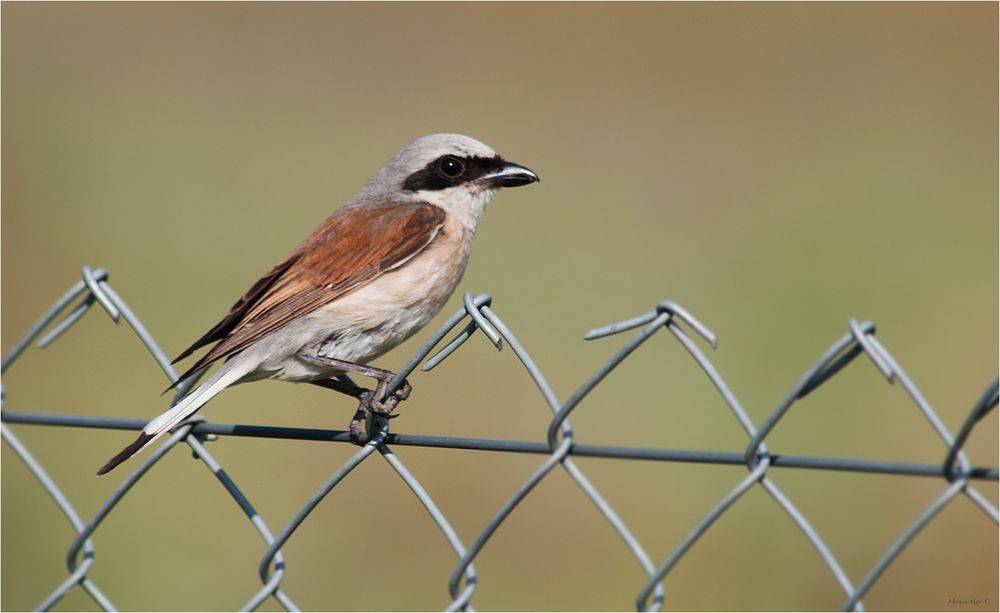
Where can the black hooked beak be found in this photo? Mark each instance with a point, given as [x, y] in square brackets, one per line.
[510, 175]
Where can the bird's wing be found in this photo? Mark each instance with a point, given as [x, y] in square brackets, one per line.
[350, 249]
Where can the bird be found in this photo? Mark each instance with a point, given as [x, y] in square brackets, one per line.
[369, 277]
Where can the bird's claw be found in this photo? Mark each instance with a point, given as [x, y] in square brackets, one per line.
[404, 390]
[377, 402]
[355, 428]
[383, 403]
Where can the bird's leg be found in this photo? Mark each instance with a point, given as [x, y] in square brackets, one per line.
[374, 401]
[380, 404]
[344, 386]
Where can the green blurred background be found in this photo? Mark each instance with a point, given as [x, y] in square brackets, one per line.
[775, 168]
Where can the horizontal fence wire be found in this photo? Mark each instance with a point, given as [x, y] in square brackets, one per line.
[955, 471]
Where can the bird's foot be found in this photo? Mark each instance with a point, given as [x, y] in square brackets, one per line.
[356, 424]
[378, 402]
[382, 402]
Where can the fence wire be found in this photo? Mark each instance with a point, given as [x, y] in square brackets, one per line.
[477, 315]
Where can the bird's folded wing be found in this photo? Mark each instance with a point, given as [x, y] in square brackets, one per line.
[350, 249]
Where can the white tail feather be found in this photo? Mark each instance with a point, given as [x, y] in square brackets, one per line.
[228, 374]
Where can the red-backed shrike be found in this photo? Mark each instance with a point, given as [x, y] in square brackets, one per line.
[369, 277]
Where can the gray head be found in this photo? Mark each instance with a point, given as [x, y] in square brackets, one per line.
[455, 172]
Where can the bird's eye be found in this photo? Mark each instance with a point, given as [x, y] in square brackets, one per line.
[451, 167]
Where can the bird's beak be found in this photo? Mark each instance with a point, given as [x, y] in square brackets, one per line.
[510, 175]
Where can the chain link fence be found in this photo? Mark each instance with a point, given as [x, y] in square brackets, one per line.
[955, 472]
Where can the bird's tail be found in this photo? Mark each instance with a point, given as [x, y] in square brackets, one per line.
[229, 373]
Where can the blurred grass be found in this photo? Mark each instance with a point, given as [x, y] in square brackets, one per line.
[776, 168]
